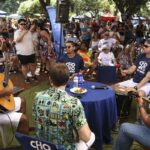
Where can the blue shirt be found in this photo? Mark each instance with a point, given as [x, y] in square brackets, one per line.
[143, 66]
[74, 64]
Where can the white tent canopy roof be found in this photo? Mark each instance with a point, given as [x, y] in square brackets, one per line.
[2, 12]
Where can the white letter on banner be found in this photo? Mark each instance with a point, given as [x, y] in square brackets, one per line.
[32, 143]
[46, 147]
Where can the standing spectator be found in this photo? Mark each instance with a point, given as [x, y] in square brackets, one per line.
[46, 46]
[25, 49]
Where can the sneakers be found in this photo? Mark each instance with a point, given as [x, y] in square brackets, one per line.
[34, 78]
[27, 80]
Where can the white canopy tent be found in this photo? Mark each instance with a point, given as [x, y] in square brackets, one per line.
[2, 12]
[14, 16]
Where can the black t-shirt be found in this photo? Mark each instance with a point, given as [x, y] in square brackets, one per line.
[143, 66]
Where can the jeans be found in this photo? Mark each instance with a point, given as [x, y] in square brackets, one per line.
[130, 132]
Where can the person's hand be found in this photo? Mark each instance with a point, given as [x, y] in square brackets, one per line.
[140, 100]
[25, 31]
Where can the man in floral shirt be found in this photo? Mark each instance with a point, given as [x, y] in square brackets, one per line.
[60, 117]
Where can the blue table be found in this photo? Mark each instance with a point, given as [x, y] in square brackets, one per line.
[100, 110]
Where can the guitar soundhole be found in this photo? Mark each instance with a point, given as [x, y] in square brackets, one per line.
[4, 84]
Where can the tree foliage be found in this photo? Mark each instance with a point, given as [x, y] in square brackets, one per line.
[92, 6]
[29, 7]
[130, 7]
[10, 6]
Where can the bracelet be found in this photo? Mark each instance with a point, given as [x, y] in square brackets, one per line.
[141, 106]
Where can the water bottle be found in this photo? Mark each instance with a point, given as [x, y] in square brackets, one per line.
[75, 81]
[80, 80]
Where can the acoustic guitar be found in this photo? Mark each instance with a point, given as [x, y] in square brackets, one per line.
[7, 102]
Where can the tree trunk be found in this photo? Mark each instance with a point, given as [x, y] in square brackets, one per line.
[44, 4]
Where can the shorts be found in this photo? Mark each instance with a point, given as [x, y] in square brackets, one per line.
[26, 59]
[13, 116]
[131, 83]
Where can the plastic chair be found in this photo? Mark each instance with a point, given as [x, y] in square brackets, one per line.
[32, 143]
[106, 74]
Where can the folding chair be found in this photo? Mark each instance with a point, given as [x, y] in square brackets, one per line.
[32, 143]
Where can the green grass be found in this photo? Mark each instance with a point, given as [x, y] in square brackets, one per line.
[29, 95]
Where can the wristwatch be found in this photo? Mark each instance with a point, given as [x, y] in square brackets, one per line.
[141, 106]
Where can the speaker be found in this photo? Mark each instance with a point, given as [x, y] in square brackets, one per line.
[62, 11]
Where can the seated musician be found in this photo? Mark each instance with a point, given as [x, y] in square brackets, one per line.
[17, 116]
[73, 60]
[60, 117]
[130, 132]
[141, 70]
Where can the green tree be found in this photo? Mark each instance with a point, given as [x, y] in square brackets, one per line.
[92, 6]
[29, 7]
[10, 6]
[130, 7]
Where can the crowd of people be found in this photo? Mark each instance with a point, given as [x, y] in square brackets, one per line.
[29, 45]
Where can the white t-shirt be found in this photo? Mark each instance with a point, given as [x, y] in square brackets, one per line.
[106, 59]
[26, 46]
[108, 42]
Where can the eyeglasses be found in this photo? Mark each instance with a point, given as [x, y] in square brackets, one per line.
[146, 46]
[23, 24]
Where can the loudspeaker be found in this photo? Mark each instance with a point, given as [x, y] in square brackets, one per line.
[62, 11]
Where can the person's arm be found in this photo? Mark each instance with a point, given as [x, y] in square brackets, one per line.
[144, 80]
[84, 133]
[80, 123]
[143, 114]
[129, 71]
[19, 37]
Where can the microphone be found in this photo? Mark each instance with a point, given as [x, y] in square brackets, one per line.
[99, 87]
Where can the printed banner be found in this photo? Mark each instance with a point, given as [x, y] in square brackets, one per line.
[56, 30]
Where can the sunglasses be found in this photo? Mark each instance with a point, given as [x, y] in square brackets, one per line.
[23, 24]
[146, 46]
[68, 46]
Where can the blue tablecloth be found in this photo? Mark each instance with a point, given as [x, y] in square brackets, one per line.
[100, 110]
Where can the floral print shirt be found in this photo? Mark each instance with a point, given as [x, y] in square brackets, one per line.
[56, 115]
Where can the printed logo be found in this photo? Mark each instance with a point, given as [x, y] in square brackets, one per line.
[39, 145]
[142, 67]
[71, 67]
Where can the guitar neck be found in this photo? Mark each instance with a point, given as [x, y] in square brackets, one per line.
[6, 71]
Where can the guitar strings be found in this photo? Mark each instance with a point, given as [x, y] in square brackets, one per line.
[11, 125]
